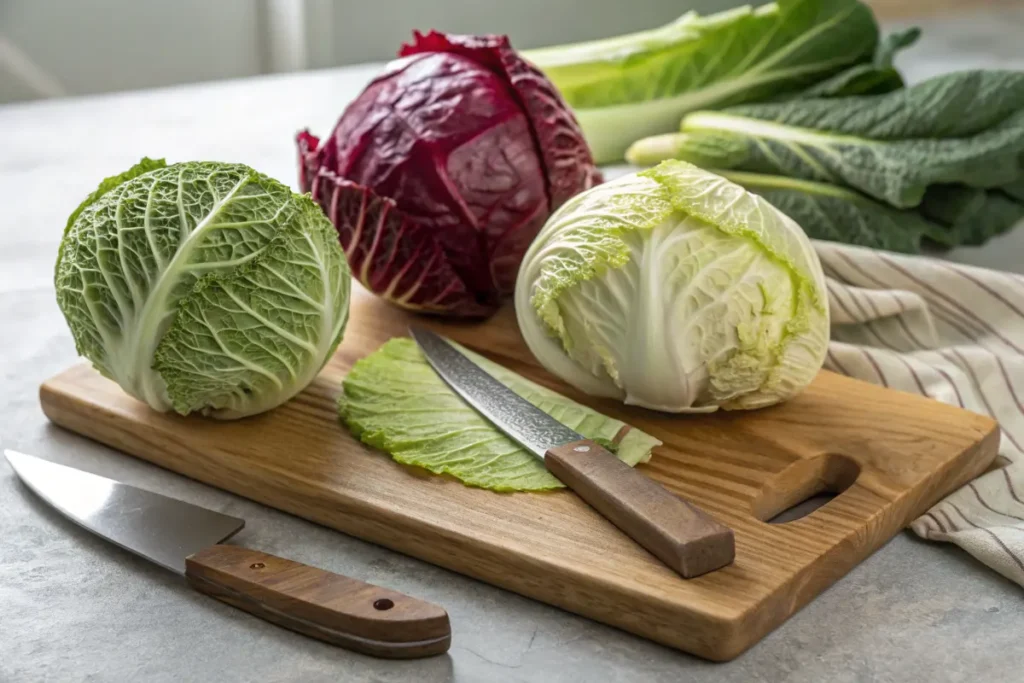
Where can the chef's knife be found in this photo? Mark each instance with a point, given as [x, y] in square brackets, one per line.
[680, 535]
[186, 539]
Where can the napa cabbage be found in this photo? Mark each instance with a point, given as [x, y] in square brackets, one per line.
[636, 85]
[676, 290]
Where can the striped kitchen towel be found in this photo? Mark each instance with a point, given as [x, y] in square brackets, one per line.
[954, 333]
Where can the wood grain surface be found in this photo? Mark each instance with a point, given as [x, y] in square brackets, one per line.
[337, 609]
[891, 454]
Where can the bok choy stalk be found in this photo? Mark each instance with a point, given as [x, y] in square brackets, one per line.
[632, 86]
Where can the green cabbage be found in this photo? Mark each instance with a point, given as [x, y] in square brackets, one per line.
[393, 400]
[203, 286]
[677, 290]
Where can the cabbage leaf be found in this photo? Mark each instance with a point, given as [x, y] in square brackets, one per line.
[393, 400]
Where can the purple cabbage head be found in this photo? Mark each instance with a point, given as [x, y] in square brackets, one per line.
[440, 174]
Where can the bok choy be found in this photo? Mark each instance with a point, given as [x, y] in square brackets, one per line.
[641, 84]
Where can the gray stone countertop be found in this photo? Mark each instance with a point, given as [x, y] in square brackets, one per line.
[73, 608]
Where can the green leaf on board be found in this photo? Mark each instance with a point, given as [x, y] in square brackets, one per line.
[393, 400]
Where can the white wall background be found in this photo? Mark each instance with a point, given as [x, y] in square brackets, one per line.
[86, 46]
[369, 32]
[73, 47]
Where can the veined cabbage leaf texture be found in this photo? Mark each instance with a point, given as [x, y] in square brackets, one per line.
[442, 171]
[676, 290]
[632, 86]
[203, 286]
[393, 400]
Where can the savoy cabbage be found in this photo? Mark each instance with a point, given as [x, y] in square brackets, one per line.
[203, 286]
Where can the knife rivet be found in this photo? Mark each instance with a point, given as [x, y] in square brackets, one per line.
[582, 449]
[383, 604]
[257, 565]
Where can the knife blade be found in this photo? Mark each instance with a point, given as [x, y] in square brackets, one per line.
[188, 539]
[682, 536]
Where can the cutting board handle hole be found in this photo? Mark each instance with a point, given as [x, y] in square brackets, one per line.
[805, 486]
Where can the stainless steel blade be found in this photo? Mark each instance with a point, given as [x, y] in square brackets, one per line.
[525, 423]
[161, 529]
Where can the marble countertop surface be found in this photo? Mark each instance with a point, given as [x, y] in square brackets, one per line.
[73, 608]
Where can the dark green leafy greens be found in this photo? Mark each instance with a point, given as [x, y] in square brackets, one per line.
[1015, 189]
[970, 215]
[867, 78]
[961, 128]
[949, 215]
[942, 160]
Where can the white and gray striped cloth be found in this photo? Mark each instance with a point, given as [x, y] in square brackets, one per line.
[954, 333]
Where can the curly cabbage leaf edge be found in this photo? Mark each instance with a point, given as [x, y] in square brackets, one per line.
[806, 297]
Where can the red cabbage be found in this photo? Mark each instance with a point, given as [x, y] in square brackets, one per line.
[440, 174]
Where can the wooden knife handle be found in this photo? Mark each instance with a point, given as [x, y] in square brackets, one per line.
[333, 608]
[677, 533]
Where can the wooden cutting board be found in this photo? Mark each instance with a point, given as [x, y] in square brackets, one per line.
[891, 454]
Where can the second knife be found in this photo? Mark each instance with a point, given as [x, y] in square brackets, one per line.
[680, 535]
[188, 540]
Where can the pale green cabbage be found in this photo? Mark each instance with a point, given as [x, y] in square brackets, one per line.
[676, 290]
[203, 286]
[393, 400]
